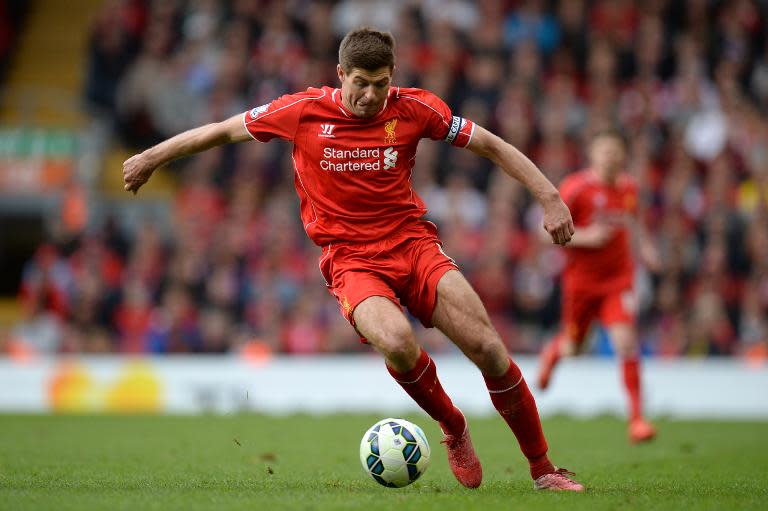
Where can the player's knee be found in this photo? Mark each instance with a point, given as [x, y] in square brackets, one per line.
[399, 343]
[624, 342]
[569, 347]
[489, 355]
[402, 357]
[627, 350]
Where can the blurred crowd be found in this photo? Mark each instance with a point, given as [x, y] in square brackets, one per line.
[686, 80]
[12, 15]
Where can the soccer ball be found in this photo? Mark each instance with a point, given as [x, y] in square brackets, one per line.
[394, 452]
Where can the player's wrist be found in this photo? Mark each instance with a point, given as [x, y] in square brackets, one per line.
[151, 158]
[550, 198]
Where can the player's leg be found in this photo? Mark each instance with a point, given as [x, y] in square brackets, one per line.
[361, 278]
[578, 310]
[460, 314]
[387, 329]
[618, 316]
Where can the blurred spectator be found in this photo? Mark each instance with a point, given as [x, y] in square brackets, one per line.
[113, 44]
[530, 22]
[12, 16]
[173, 325]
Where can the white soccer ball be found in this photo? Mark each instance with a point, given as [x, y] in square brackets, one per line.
[394, 452]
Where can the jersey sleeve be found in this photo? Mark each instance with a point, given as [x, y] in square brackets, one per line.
[438, 121]
[570, 192]
[280, 118]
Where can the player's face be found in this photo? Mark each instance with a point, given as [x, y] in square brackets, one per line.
[607, 155]
[364, 92]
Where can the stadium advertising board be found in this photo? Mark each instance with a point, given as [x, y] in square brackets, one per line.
[192, 385]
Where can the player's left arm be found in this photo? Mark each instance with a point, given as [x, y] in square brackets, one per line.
[640, 239]
[557, 218]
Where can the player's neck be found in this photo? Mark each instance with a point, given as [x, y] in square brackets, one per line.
[345, 104]
[605, 176]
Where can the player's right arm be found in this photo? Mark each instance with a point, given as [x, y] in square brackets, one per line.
[280, 118]
[594, 235]
[557, 218]
[138, 168]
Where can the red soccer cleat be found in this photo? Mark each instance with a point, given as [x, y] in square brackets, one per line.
[463, 460]
[548, 359]
[558, 481]
[641, 430]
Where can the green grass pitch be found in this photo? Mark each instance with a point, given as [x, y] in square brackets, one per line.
[254, 462]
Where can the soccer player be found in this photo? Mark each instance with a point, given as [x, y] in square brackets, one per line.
[599, 271]
[353, 152]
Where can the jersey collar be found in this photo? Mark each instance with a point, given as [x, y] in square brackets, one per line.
[593, 177]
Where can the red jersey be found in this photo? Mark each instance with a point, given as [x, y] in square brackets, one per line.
[352, 174]
[590, 200]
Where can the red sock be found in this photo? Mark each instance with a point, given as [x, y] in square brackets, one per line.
[631, 370]
[511, 397]
[422, 385]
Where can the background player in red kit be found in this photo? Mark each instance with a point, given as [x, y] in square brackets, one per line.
[353, 153]
[599, 272]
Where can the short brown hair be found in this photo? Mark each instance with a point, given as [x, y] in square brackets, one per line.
[367, 48]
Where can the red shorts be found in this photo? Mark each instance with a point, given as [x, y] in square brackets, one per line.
[581, 307]
[404, 268]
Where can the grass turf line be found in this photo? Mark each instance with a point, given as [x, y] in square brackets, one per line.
[311, 463]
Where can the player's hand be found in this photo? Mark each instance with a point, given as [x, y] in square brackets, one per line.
[558, 222]
[136, 171]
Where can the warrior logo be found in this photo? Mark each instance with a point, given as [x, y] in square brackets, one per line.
[326, 130]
